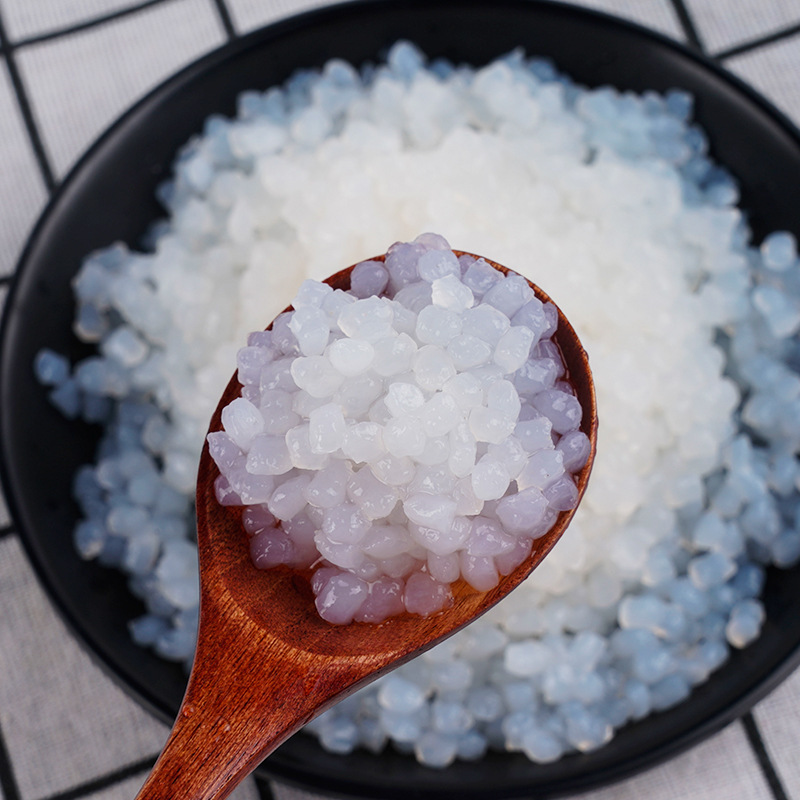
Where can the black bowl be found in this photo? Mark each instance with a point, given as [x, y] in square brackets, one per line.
[110, 196]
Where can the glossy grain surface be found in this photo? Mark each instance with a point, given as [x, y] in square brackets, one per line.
[266, 663]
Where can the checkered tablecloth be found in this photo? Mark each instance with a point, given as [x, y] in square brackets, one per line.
[69, 68]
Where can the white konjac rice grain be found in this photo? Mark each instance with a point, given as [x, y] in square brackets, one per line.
[615, 203]
[380, 546]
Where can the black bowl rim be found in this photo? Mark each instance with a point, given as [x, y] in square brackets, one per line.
[291, 773]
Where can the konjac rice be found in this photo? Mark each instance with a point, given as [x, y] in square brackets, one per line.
[613, 201]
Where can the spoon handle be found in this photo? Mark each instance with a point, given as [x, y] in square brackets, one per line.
[248, 692]
[203, 759]
[214, 745]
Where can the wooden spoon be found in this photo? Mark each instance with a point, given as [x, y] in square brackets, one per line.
[266, 663]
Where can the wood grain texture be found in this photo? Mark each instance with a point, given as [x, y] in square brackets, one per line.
[266, 663]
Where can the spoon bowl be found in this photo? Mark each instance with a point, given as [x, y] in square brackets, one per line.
[266, 663]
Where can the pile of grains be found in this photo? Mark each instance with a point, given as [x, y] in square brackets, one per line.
[615, 203]
[401, 435]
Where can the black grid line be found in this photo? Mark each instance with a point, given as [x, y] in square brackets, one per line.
[105, 781]
[225, 18]
[4, 280]
[7, 530]
[93, 22]
[762, 41]
[688, 26]
[28, 118]
[759, 749]
[8, 781]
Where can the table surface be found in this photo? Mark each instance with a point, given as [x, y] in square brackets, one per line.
[70, 67]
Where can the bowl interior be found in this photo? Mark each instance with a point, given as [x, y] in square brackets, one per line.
[41, 449]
